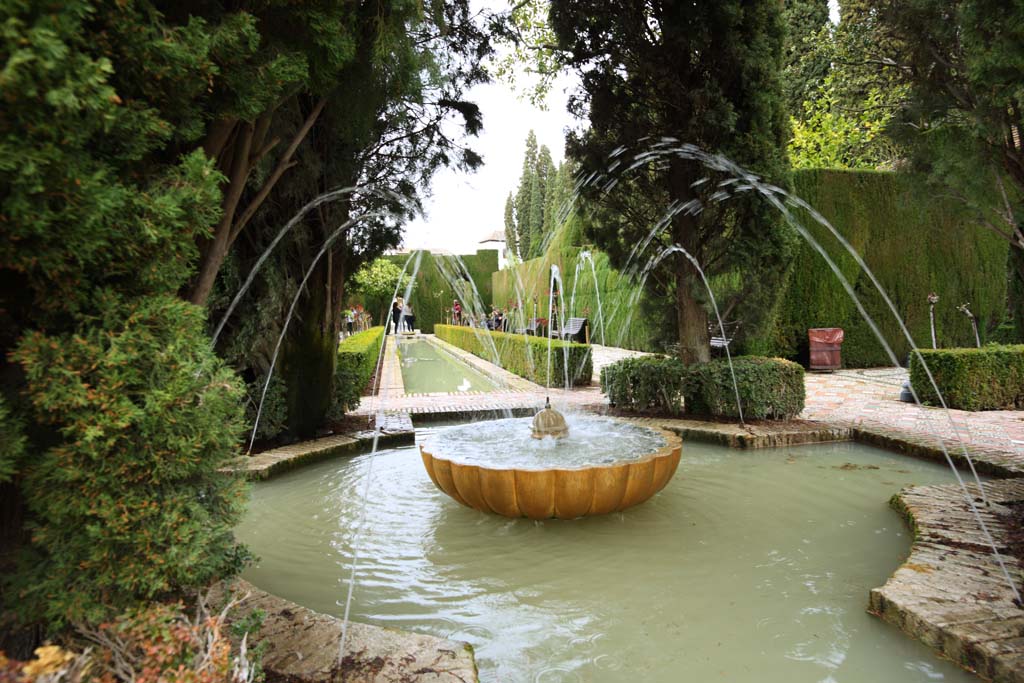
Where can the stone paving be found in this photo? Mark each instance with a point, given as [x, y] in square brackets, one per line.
[950, 593]
[868, 400]
[301, 646]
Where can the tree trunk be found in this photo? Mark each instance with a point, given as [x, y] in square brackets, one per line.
[694, 341]
[691, 316]
[309, 357]
[1015, 289]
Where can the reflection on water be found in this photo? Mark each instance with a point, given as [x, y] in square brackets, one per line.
[748, 566]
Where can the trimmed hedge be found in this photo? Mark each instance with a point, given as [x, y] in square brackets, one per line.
[357, 361]
[770, 388]
[627, 323]
[524, 355]
[989, 378]
[645, 384]
[913, 239]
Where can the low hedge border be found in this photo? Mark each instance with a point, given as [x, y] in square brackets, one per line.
[770, 388]
[356, 364]
[989, 378]
[514, 356]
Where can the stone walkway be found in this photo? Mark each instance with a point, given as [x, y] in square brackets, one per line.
[869, 400]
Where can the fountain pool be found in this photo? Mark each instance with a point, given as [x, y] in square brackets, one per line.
[748, 566]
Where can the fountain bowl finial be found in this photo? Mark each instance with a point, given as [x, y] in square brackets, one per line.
[549, 422]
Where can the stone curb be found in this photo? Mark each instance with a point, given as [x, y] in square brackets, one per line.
[950, 593]
[396, 430]
[301, 646]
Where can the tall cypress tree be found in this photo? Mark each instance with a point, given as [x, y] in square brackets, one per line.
[704, 73]
[511, 238]
[543, 174]
[524, 196]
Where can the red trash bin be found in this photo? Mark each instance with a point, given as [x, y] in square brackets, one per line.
[825, 343]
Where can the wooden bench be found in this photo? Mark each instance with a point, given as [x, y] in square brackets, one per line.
[722, 342]
[531, 327]
[573, 328]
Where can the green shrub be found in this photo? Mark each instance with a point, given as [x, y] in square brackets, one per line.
[645, 384]
[524, 355]
[989, 378]
[770, 388]
[357, 363]
[126, 500]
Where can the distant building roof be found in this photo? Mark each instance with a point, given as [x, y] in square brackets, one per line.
[496, 236]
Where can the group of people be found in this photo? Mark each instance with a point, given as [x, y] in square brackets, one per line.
[498, 319]
[403, 318]
[356, 319]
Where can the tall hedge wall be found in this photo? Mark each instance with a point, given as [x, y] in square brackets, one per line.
[625, 324]
[432, 292]
[914, 240]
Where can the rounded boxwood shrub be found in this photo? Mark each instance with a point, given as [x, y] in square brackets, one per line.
[645, 384]
[770, 388]
[989, 378]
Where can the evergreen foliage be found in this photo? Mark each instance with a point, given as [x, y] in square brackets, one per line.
[629, 321]
[511, 238]
[989, 378]
[646, 384]
[534, 214]
[805, 65]
[357, 363]
[914, 241]
[126, 498]
[525, 355]
[439, 280]
[963, 61]
[769, 388]
[705, 74]
[125, 411]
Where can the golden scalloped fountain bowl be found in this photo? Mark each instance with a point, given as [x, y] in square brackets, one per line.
[563, 493]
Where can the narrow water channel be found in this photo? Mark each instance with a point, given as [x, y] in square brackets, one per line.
[429, 369]
[748, 566]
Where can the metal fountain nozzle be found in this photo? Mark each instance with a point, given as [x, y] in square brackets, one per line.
[549, 422]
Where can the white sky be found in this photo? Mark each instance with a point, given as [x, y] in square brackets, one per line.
[464, 208]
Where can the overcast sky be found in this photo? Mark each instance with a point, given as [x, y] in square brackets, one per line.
[464, 208]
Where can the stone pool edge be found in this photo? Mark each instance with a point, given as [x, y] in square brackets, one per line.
[302, 645]
[950, 593]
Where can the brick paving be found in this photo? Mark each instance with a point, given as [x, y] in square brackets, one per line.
[869, 400]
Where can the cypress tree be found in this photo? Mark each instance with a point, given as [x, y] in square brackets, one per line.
[511, 240]
[706, 74]
[524, 196]
[543, 175]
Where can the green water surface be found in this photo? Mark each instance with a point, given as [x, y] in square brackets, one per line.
[428, 369]
[748, 566]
